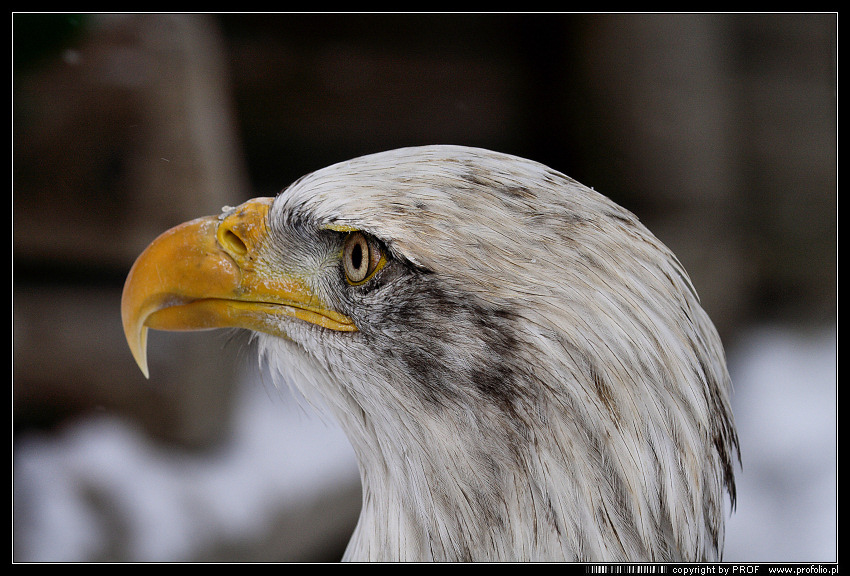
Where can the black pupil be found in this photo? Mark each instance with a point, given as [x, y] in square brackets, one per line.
[356, 256]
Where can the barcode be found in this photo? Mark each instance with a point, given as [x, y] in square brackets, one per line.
[626, 569]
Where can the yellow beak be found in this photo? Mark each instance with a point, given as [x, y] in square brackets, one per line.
[204, 274]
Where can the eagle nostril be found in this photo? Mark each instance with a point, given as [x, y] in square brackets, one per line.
[231, 242]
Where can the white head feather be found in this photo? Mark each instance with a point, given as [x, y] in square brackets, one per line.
[533, 377]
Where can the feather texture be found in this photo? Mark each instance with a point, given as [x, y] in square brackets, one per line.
[533, 377]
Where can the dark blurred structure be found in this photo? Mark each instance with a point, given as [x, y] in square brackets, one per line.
[718, 131]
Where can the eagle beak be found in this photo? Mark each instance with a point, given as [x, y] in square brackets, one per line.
[204, 274]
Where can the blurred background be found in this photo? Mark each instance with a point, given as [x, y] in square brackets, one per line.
[718, 131]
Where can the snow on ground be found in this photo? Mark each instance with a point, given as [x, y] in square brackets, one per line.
[69, 490]
[785, 407]
[102, 475]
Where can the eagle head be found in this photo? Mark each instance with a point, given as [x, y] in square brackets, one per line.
[523, 370]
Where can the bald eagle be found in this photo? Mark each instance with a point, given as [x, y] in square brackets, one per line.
[523, 370]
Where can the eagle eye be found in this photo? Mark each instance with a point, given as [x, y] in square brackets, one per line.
[362, 257]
